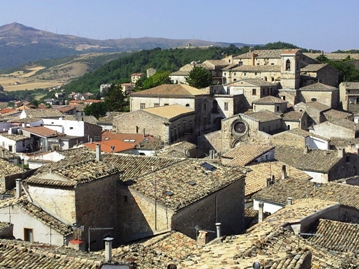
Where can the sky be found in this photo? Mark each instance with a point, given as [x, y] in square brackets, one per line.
[327, 25]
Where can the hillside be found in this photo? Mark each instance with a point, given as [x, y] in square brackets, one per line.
[20, 44]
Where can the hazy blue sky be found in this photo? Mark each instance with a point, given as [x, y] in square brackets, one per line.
[328, 25]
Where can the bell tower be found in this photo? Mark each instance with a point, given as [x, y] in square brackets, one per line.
[290, 70]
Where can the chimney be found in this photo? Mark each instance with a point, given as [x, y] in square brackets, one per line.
[98, 152]
[18, 188]
[306, 149]
[144, 132]
[289, 201]
[341, 153]
[108, 249]
[284, 172]
[218, 229]
[268, 182]
[260, 212]
[202, 238]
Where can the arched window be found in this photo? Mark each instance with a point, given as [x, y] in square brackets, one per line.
[287, 65]
[215, 106]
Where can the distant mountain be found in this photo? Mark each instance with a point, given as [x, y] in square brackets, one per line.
[20, 44]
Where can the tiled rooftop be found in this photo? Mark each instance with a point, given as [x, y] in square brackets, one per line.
[312, 67]
[174, 90]
[14, 137]
[186, 181]
[266, 242]
[318, 87]
[256, 178]
[244, 154]
[43, 113]
[292, 116]
[6, 169]
[71, 172]
[328, 232]
[251, 81]
[106, 145]
[88, 119]
[169, 112]
[20, 254]
[45, 218]
[42, 131]
[257, 68]
[351, 85]
[269, 100]
[262, 116]
[156, 252]
[318, 106]
[333, 56]
[276, 53]
[336, 114]
[344, 194]
[346, 124]
[315, 160]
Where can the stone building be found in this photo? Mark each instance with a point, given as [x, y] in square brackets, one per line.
[79, 193]
[315, 111]
[252, 89]
[349, 96]
[325, 94]
[181, 197]
[340, 128]
[324, 73]
[270, 103]
[168, 123]
[322, 166]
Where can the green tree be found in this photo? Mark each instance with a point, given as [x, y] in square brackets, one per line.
[115, 100]
[199, 77]
[35, 102]
[161, 77]
[96, 109]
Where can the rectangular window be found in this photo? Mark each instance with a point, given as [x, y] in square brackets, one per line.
[142, 106]
[254, 92]
[156, 104]
[166, 104]
[71, 128]
[225, 106]
[28, 235]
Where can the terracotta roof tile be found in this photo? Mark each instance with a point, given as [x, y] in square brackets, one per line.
[269, 100]
[186, 181]
[313, 67]
[262, 116]
[169, 112]
[41, 131]
[318, 87]
[174, 90]
[256, 178]
[43, 113]
[315, 160]
[244, 154]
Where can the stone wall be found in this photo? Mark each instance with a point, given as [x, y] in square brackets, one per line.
[143, 122]
[225, 206]
[329, 98]
[57, 202]
[139, 216]
[96, 208]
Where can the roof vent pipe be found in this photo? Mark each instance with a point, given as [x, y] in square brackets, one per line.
[108, 249]
[218, 229]
[18, 188]
[260, 212]
[98, 152]
[284, 172]
[289, 201]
